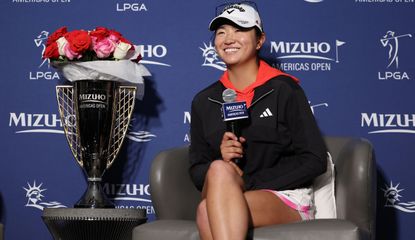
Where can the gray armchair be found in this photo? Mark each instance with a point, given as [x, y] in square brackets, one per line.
[175, 199]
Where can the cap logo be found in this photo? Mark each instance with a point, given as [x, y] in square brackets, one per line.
[229, 9]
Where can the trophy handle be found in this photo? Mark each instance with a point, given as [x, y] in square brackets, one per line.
[66, 105]
[124, 106]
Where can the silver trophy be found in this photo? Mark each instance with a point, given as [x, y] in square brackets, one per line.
[95, 116]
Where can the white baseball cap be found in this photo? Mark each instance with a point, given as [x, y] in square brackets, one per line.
[243, 15]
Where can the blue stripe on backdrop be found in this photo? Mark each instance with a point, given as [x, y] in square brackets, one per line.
[353, 57]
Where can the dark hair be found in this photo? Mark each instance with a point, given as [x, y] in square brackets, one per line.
[258, 32]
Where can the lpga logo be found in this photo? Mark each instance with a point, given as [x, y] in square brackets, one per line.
[40, 42]
[391, 41]
[391, 193]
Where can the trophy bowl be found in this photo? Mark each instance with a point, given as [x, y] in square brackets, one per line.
[95, 116]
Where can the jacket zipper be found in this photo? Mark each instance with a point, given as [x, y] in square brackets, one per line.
[215, 101]
[264, 95]
[252, 104]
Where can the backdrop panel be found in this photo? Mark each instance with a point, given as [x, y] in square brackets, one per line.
[354, 59]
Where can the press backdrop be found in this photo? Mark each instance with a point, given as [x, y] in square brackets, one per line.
[355, 60]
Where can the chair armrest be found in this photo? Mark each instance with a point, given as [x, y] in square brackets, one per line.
[173, 194]
[355, 181]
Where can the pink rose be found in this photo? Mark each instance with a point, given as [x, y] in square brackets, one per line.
[114, 35]
[104, 48]
[69, 53]
[114, 38]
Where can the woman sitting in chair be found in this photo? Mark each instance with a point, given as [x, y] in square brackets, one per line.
[264, 176]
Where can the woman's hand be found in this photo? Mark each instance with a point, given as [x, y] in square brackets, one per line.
[230, 147]
[237, 169]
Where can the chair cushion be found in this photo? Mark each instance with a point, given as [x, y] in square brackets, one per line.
[167, 229]
[324, 192]
[321, 229]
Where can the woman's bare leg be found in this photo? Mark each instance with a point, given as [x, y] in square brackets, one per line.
[226, 211]
[202, 221]
[266, 208]
[226, 207]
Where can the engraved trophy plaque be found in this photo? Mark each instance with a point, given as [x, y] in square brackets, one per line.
[95, 116]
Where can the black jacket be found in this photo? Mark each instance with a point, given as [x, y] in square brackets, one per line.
[284, 148]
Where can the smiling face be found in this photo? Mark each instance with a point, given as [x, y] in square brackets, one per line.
[237, 46]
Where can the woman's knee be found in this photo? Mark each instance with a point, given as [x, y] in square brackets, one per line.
[220, 169]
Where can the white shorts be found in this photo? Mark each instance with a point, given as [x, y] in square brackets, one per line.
[300, 199]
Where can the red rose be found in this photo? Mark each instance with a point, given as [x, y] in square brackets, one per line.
[51, 51]
[79, 40]
[99, 33]
[56, 35]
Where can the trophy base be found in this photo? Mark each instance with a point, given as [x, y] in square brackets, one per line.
[92, 224]
[94, 197]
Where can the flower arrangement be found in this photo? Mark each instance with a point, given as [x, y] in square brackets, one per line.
[100, 54]
[81, 45]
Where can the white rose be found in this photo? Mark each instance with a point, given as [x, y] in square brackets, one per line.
[121, 50]
[61, 44]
